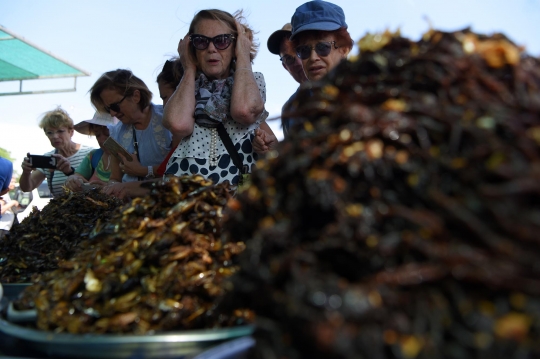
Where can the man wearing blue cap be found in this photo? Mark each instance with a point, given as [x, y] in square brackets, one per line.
[280, 44]
[320, 37]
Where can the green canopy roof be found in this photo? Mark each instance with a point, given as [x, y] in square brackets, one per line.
[21, 60]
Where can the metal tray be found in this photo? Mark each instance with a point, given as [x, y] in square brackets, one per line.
[177, 345]
[233, 349]
[12, 290]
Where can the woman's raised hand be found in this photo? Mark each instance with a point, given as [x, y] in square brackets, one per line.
[243, 45]
[183, 53]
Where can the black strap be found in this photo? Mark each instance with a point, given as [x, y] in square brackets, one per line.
[136, 146]
[49, 180]
[226, 139]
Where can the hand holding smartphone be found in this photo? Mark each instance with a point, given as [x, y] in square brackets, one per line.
[115, 149]
[38, 161]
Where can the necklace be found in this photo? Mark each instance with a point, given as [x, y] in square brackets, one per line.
[108, 163]
[213, 153]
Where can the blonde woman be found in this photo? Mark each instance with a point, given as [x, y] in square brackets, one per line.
[58, 127]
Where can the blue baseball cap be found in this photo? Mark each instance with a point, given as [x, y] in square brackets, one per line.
[317, 15]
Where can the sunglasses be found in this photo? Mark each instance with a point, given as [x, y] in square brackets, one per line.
[322, 48]
[221, 42]
[114, 106]
[288, 60]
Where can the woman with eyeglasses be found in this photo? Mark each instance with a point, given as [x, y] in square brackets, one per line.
[140, 131]
[279, 43]
[219, 103]
[167, 81]
[59, 129]
[320, 37]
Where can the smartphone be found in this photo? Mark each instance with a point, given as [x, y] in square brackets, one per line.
[38, 161]
[115, 148]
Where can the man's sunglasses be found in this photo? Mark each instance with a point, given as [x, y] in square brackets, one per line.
[288, 60]
[114, 106]
[322, 48]
[221, 42]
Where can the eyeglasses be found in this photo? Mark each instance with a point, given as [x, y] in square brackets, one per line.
[322, 48]
[221, 42]
[288, 60]
[120, 77]
[114, 106]
[51, 133]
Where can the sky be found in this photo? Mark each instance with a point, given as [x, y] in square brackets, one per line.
[103, 35]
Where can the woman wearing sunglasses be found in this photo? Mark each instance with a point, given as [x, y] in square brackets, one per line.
[219, 103]
[320, 37]
[140, 131]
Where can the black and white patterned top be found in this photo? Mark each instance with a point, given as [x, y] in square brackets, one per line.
[192, 153]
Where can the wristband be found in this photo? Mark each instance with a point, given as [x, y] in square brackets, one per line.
[150, 172]
[71, 173]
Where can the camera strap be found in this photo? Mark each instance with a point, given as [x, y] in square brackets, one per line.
[136, 147]
[51, 175]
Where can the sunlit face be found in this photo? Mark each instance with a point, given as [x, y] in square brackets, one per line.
[128, 107]
[316, 66]
[214, 63]
[101, 133]
[59, 137]
[286, 51]
[165, 91]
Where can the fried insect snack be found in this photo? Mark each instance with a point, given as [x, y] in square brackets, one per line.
[53, 234]
[158, 264]
[401, 220]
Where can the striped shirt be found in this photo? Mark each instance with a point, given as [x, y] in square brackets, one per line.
[59, 177]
